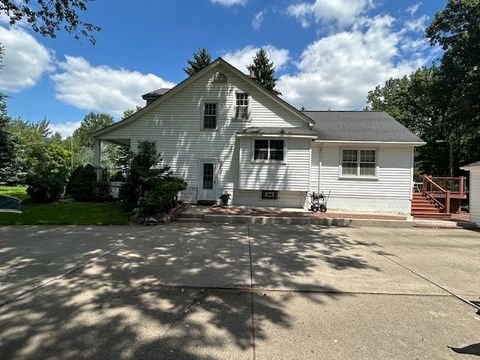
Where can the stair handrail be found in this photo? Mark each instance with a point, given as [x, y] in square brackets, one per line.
[428, 180]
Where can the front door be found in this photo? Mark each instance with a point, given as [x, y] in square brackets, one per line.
[207, 180]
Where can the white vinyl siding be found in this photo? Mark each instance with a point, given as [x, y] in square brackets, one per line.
[475, 195]
[177, 128]
[389, 191]
[286, 199]
[291, 174]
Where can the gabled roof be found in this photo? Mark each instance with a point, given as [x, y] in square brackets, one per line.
[360, 126]
[470, 166]
[277, 131]
[189, 80]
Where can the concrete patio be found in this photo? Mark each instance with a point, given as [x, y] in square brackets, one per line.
[203, 291]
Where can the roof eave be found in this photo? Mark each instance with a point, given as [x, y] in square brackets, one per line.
[411, 143]
[278, 135]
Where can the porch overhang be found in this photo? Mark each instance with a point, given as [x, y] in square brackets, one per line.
[292, 132]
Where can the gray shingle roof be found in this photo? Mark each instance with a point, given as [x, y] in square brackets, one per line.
[276, 131]
[359, 126]
[155, 93]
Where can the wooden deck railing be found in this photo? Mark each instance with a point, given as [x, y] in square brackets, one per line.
[436, 188]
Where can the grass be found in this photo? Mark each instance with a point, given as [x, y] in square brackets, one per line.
[62, 212]
[19, 192]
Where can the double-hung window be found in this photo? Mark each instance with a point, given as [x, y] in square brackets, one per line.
[357, 162]
[268, 150]
[210, 116]
[241, 106]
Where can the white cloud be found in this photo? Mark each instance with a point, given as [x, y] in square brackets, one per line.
[337, 71]
[243, 57]
[412, 9]
[258, 20]
[417, 24]
[102, 88]
[339, 12]
[25, 60]
[229, 2]
[65, 129]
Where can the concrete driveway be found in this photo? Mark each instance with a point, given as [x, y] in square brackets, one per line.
[243, 292]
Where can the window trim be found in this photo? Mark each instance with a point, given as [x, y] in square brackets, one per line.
[269, 161]
[202, 115]
[249, 99]
[358, 176]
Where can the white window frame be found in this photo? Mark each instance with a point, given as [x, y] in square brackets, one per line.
[358, 176]
[202, 115]
[235, 117]
[269, 161]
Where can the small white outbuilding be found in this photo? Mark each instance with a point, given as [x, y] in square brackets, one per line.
[474, 191]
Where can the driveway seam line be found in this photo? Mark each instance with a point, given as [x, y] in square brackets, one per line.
[252, 309]
[432, 282]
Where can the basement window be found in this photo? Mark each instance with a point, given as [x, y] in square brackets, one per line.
[269, 195]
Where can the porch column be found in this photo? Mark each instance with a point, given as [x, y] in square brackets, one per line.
[97, 158]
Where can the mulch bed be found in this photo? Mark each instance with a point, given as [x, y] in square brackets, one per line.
[231, 210]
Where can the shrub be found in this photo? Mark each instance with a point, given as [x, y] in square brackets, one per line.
[118, 176]
[162, 197]
[45, 188]
[143, 174]
[82, 185]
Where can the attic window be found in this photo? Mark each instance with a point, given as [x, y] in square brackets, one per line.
[219, 78]
[241, 109]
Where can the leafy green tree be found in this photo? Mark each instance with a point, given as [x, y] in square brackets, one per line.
[130, 112]
[201, 59]
[456, 29]
[91, 123]
[48, 17]
[10, 163]
[263, 71]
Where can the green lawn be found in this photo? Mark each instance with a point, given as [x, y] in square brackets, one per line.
[19, 192]
[61, 213]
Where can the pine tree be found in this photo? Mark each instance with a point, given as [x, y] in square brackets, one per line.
[264, 71]
[201, 59]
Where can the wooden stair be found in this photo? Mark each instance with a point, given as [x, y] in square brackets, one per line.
[423, 208]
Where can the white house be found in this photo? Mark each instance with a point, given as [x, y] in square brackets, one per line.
[222, 132]
[474, 206]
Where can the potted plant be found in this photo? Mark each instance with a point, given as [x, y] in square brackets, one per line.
[224, 198]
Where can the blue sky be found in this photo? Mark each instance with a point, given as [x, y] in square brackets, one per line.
[328, 53]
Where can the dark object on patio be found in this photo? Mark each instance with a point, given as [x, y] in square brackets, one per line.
[10, 204]
[224, 198]
[149, 221]
[319, 202]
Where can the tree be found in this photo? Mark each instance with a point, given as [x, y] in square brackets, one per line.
[10, 164]
[48, 17]
[91, 123]
[456, 29]
[130, 112]
[201, 59]
[263, 71]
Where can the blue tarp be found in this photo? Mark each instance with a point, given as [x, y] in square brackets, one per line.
[9, 204]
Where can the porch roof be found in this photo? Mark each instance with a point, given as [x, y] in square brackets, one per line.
[277, 131]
